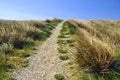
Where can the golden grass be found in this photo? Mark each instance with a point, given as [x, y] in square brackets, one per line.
[93, 54]
[98, 45]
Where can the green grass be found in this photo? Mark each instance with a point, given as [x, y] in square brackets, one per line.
[70, 41]
[24, 54]
[59, 77]
[73, 31]
[64, 57]
[24, 63]
[61, 50]
[61, 42]
[70, 63]
[4, 76]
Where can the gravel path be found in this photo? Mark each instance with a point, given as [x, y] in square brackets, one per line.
[46, 63]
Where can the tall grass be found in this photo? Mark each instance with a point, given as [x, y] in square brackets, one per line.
[97, 47]
[94, 55]
[15, 36]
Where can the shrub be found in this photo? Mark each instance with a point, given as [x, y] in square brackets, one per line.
[48, 21]
[64, 57]
[59, 77]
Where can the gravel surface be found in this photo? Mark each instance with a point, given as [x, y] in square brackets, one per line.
[46, 63]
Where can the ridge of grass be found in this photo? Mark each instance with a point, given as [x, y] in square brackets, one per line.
[96, 46]
[18, 40]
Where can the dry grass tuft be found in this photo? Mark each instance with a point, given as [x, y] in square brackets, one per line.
[95, 55]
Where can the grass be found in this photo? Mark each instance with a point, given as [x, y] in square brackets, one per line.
[6, 48]
[70, 41]
[64, 57]
[97, 49]
[24, 63]
[103, 56]
[17, 41]
[62, 36]
[59, 77]
[70, 63]
[61, 50]
[61, 41]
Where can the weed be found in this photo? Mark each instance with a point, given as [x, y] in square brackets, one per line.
[64, 57]
[24, 63]
[4, 76]
[59, 77]
[70, 63]
[73, 30]
[61, 41]
[24, 54]
[70, 41]
[61, 50]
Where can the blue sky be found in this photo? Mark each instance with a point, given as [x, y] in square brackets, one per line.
[64, 9]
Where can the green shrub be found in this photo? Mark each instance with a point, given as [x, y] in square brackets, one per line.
[48, 21]
[64, 57]
[59, 77]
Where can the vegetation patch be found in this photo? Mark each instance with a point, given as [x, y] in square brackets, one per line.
[97, 49]
[24, 63]
[59, 77]
[64, 57]
[70, 41]
[17, 41]
[61, 50]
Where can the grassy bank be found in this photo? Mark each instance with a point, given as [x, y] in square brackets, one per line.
[98, 48]
[18, 40]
